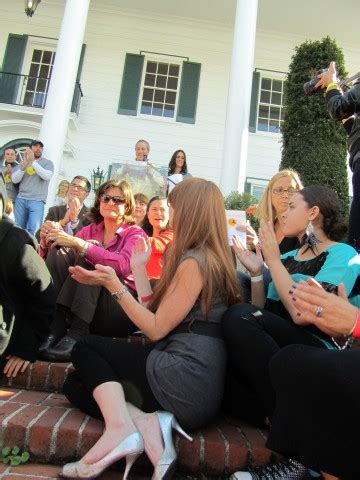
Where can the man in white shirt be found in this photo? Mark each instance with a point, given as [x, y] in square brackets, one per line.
[33, 176]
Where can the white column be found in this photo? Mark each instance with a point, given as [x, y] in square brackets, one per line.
[58, 103]
[233, 167]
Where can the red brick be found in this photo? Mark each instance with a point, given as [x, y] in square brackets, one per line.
[3, 468]
[260, 455]
[7, 393]
[214, 460]
[238, 450]
[68, 434]
[91, 433]
[36, 469]
[57, 375]
[189, 454]
[6, 410]
[31, 397]
[41, 433]
[15, 476]
[39, 375]
[57, 400]
[15, 433]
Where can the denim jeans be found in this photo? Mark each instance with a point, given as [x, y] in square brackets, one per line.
[29, 214]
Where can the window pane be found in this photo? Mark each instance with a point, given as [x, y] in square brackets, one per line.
[28, 99]
[266, 84]
[39, 99]
[36, 56]
[263, 111]
[275, 113]
[265, 97]
[163, 68]
[44, 71]
[170, 97]
[262, 125]
[169, 111]
[160, 82]
[151, 67]
[276, 98]
[172, 83]
[157, 109]
[149, 80]
[274, 126]
[34, 70]
[31, 84]
[41, 86]
[148, 94]
[47, 57]
[159, 96]
[277, 85]
[174, 70]
[146, 108]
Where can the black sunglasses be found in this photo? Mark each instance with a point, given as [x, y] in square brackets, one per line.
[116, 200]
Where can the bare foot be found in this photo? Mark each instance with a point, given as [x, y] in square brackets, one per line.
[107, 442]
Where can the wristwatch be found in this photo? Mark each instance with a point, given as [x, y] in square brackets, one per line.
[119, 294]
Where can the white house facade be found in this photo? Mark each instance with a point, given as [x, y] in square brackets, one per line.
[89, 78]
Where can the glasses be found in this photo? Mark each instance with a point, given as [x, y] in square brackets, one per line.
[78, 187]
[116, 200]
[281, 191]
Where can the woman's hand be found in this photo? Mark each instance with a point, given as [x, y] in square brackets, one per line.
[59, 238]
[251, 236]
[102, 275]
[327, 77]
[14, 365]
[268, 242]
[253, 262]
[337, 315]
[140, 254]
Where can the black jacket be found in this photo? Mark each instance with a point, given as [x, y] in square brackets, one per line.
[344, 105]
[55, 214]
[27, 297]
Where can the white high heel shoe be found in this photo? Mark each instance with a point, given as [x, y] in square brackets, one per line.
[165, 468]
[131, 448]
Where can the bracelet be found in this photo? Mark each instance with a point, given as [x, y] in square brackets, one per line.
[119, 294]
[355, 331]
[146, 298]
[84, 250]
[76, 220]
[258, 278]
[332, 86]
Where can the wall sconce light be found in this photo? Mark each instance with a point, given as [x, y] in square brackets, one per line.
[30, 7]
[97, 177]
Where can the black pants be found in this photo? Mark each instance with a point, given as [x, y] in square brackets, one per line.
[98, 360]
[354, 219]
[253, 336]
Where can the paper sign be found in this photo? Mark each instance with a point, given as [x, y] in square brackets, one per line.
[234, 219]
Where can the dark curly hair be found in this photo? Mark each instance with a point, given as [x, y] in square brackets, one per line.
[333, 223]
[95, 214]
[172, 164]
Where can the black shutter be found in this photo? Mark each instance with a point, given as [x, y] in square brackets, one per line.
[77, 92]
[130, 86]
[11, 67]
[189, 90]
[254, 101]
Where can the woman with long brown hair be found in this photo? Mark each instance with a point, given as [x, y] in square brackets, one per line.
[184, 368]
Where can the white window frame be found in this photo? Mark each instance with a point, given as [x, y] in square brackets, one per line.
[159, 59]
[256, 182]
[272, 76]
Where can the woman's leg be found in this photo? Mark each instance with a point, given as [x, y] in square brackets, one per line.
[253, 336]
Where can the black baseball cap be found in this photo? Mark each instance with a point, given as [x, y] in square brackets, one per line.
[36, 142]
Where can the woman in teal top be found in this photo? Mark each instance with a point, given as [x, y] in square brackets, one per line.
[254, 333]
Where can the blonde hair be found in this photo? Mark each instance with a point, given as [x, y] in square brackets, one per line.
[63, 182]
[265, 209]
[199, 224]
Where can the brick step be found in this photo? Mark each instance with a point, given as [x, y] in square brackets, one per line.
[46, 425]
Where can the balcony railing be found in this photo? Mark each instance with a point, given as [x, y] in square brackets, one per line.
[16, 89]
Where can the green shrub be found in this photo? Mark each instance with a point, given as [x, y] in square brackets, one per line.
[313, 144]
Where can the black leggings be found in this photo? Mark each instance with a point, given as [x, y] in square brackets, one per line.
[98, 360]
[253, 336]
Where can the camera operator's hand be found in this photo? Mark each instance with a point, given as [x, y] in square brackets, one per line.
[327, 77]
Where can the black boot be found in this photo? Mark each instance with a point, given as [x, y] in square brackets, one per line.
[58, 330]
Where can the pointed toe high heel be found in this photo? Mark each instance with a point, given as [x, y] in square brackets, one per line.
[130, 448]
[166, 466]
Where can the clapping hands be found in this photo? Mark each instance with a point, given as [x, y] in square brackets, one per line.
[140, 254]
[253, 262]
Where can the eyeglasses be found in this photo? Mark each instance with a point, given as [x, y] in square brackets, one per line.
[280, 191]
[116, 200]
[78, 187]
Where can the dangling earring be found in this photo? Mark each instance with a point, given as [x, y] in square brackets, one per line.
[311, 239]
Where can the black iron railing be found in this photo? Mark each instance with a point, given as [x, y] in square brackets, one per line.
[16, 89]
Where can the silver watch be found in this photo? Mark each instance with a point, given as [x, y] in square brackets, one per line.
[119, 294]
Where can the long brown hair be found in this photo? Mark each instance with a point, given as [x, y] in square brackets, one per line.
[95, 214]
[199, 224]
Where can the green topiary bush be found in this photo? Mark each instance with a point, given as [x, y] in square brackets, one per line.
[313, 144]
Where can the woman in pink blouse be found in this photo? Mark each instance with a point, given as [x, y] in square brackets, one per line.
[109, 241]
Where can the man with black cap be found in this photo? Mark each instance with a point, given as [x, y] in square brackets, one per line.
[27, 297]
[33, 176]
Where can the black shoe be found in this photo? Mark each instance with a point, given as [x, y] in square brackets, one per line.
[50, 341]
[286, 469]
[61, 352]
